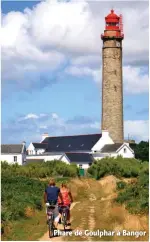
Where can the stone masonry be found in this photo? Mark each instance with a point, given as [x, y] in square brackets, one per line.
[112, 89]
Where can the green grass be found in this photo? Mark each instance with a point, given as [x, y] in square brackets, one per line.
[135, 196]
[30, 229]
[22, 207]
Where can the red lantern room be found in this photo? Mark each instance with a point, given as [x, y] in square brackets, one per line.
[113, 27]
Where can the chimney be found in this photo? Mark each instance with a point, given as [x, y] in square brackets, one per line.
[24, 147]
[45, 135]
[105, 133]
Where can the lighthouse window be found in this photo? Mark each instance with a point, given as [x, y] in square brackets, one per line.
[112, 24]
[115, 88]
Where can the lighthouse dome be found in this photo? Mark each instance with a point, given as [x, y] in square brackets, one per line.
[112, 17]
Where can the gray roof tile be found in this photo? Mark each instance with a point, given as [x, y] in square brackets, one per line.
[111, 148]
[79, 157]
[71, 143]
[40, 145]
[11, 149]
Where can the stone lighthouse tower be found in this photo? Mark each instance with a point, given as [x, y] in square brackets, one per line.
[112, 87]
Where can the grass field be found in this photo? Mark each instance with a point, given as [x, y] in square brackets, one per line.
[102, 204]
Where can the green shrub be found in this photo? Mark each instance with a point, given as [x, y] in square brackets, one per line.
[136, 196]
[121, 185]
[121, 167]
[18, 193]
[41, 170]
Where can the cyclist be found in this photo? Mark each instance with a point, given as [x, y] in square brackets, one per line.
[51, 194]
[67, 200]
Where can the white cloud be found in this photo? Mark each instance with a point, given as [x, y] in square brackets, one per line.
[43, 115]
[29, 116]
[135, 79]
[42, 39]
[34, 125]
[137, 128]
[43, 127]
[79, 71]
[86, 60]
[55, 116]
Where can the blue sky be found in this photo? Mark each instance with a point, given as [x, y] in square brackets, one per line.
[51, 68]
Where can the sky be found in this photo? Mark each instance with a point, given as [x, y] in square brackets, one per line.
[51, 68]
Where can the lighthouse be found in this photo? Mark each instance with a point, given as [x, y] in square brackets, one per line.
[112, 84]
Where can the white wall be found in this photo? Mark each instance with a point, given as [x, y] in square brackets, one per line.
[105, 139]
[44, 136]
[84, 165]
[32, 151]
[45, 157]
[9, 158]
[52, 157]
[39, 151]
[65, 159]
[127, 154]
[98, 156]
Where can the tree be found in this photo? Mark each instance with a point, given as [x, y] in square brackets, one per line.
[141, 150]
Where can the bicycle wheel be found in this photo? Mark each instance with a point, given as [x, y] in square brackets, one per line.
[64, 220]
[51, 229]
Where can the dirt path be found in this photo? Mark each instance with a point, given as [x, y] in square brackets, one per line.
[45, 237]
[97, 210]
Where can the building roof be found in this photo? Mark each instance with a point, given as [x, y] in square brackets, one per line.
[11, 149]
[111, 148]
[79, 157]
[71, 143]
[40, 145]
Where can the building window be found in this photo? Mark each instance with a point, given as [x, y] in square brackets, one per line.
[15, 158]
[125, 150]
[80, 166]
[90, 164]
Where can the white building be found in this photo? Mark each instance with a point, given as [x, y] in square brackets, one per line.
[36, 148]
[114, 150]
[81, 149]
[14, 153]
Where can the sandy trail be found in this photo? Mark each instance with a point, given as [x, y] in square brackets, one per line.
[45, 237]
[97, 210]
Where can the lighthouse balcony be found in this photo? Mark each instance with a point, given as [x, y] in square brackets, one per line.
[103, 36]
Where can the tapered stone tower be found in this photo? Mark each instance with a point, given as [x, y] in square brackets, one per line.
[112, 86]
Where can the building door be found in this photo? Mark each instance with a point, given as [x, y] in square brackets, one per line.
[81, 170]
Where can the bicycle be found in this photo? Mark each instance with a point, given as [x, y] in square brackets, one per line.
[50, 214]
[64, 216]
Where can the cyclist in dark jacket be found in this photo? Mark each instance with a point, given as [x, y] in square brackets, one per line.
[51, 194]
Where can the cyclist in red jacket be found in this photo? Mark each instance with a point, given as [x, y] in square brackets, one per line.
[67, 200]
